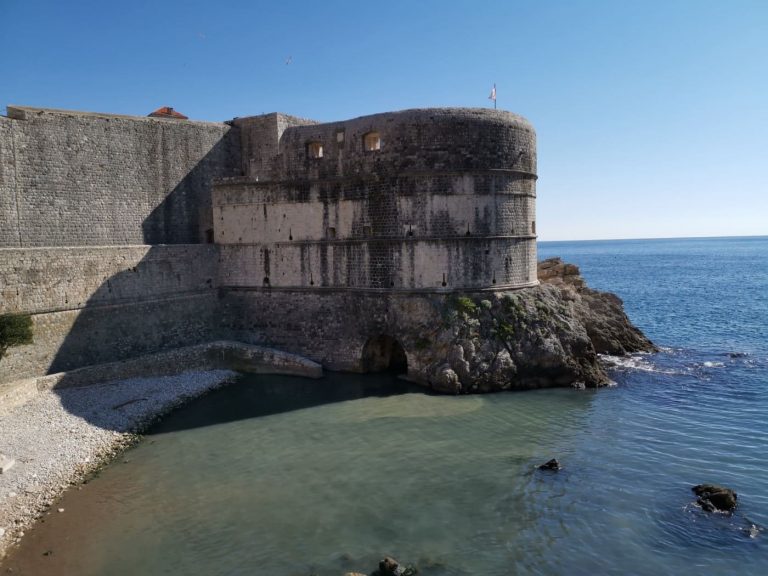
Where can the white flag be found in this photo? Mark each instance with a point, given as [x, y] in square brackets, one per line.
[493, 93]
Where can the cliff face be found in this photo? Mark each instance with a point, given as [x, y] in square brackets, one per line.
[545, 336]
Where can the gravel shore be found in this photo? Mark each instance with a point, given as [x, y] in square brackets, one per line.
[59, 436]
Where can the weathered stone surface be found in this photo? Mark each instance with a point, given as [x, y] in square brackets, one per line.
[715, 498]
[447, 203]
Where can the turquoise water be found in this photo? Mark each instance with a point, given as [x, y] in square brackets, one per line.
[284, 476]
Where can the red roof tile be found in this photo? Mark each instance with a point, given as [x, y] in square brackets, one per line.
[167, 112]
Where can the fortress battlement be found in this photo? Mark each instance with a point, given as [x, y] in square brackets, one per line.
[125, 235]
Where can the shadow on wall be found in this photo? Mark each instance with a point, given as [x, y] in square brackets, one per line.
[165, 298]
[185, 216]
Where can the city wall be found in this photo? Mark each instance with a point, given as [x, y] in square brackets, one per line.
[102, 220]
[91, 305]
[74, 179]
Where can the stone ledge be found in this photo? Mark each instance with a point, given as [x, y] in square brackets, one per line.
[211, 355]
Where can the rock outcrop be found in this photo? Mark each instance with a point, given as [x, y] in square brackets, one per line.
[546, 336]
[715, 498]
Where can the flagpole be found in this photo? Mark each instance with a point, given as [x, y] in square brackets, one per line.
[493, 96]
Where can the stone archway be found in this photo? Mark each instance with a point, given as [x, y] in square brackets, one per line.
[384, 354]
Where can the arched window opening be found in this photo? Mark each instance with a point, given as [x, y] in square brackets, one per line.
[372, 142]
[384, 354]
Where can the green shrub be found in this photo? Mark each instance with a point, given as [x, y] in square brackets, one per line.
[466, 305]
[15, 330]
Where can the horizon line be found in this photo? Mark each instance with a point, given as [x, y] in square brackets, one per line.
[660, 238]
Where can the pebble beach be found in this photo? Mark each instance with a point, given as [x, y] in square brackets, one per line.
[58, 437]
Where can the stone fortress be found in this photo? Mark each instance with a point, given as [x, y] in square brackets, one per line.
[128, 236]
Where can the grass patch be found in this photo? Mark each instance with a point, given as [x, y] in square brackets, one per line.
[15, 330]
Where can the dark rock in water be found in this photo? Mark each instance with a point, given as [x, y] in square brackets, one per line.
[714, 498]
[553, 465]
[391, 567]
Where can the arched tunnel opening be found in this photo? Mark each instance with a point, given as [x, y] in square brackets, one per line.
[384, 354]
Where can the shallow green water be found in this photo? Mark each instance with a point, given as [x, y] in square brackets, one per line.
[287, 476]
[275, 475]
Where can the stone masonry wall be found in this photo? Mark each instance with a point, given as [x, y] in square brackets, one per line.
[445, 200]
[329, 327]
[92, 305]
[38, 280]
[412, 141]
[433, 265]
[9, 229]
[72, 179]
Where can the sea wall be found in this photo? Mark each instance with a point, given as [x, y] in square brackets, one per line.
[91, 305]
[541, 336]
[330, 327]
[73, 179]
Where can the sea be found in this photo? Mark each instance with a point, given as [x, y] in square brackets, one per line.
[283, 476]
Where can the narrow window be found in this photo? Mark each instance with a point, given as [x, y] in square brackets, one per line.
[372, 142]
[332, 233]
[315, 150]
[533, 226]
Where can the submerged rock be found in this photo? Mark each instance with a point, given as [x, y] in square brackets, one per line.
[544, 336]
[714, 498]
[553, 465]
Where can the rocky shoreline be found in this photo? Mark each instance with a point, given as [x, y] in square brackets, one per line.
[57, 438]
[546, 336]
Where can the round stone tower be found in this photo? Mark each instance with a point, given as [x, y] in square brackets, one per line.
[427, 200]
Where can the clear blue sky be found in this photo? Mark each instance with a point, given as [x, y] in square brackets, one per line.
[652, 116]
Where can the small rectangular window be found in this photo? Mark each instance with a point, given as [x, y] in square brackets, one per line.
[533, 226]
[332, 233]
[372, 141]
[315, 150]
